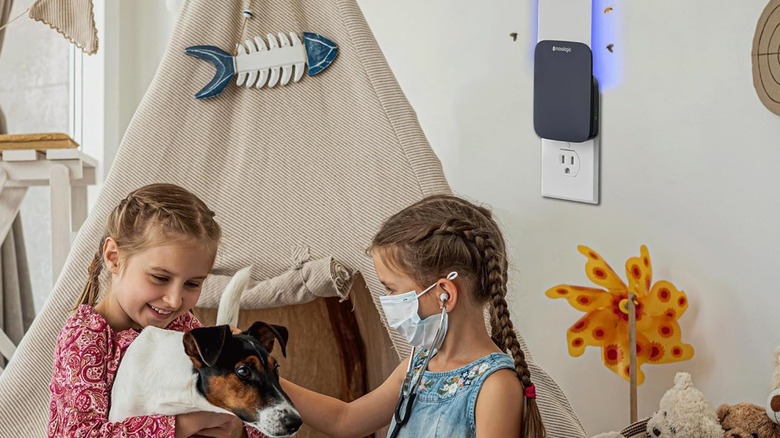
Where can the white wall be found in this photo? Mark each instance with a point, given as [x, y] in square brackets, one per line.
[688, 168]
[144, 30]
[689, 161]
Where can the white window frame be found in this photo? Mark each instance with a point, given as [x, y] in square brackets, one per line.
[94, 91]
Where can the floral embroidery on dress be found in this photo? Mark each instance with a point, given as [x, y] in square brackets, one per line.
[425, 384]
[450, 386]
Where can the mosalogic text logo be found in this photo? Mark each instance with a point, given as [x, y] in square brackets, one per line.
[561, 49]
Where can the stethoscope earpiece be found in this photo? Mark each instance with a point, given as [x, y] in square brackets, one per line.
[444, 296]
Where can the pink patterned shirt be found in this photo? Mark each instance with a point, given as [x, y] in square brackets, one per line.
[86, 359]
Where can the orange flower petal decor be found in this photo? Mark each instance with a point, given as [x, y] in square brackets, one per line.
[605, 323]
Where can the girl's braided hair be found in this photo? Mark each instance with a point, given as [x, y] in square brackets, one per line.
[443, 233]
[148, 216]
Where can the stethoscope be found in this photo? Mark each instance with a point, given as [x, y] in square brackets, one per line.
[408, 390]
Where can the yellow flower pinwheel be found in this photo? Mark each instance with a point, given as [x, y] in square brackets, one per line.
[605, 324]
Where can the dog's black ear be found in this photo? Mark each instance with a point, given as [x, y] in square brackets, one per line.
[204, 344]
[266, 333]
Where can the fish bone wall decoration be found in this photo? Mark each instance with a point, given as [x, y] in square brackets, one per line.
[258, 65]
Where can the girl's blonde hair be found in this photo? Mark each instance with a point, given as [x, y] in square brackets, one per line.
[443, 233]
[148, 216]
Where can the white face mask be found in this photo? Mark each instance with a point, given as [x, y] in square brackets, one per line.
[401, 313]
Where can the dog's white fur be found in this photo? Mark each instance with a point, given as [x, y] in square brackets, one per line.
[155, 376]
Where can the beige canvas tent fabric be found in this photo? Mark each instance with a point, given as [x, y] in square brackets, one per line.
[316, 164]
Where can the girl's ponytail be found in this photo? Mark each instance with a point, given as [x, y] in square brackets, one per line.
[89, 294]
[503, 331]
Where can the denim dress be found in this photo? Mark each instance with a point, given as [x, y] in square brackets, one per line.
[445, 402]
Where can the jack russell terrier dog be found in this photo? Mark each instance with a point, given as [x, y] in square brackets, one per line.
[166, 372]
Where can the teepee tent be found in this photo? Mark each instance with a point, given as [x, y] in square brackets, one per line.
[300, 176]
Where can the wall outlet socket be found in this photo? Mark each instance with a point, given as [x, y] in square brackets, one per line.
[570, 171]
[570, 162]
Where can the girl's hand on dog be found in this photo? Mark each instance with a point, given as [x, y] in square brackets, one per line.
[233, 428]
[208, 424]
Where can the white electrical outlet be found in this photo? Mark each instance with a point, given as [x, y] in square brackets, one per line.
[570, 162]
[570, 171]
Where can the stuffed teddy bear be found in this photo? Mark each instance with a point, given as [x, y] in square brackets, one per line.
[746, 420]
[684, 412]
[773, 401]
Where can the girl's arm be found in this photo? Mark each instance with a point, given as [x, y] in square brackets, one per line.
[499, 410]
[340, 419]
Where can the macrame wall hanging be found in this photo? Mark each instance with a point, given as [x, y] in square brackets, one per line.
[258, 65]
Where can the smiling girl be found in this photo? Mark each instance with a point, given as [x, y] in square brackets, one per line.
[159, 245]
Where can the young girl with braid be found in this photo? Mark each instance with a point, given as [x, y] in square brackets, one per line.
[441, 260]
[159, 245]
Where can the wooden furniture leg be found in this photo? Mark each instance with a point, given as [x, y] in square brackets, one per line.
[59, 182]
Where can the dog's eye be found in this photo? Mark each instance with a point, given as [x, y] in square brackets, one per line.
[243, 371]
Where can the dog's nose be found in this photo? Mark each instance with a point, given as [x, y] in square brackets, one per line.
[656, 432]
[292, 423]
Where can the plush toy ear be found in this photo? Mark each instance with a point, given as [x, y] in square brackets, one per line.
[773, 406]
[723, 411]
[204, 344]
[266, 333]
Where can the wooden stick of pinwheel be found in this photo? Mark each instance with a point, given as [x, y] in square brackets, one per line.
[632, 355]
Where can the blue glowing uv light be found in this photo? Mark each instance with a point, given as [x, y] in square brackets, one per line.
[606, 43]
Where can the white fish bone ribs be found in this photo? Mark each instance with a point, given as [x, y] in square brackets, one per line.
[257, 63]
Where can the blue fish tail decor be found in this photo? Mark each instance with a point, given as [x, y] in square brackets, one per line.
[258, 65]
